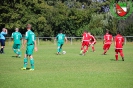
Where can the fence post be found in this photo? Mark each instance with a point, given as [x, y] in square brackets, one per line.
[125, 40]
[71, 40]
[38, 41]
[9, 40]
[22, 41]
[54, 40]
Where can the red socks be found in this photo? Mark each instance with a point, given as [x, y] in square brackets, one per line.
[116, 57]
[105, 51]
[93, 48]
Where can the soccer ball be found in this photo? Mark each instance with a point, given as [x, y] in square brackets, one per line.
[63, 52]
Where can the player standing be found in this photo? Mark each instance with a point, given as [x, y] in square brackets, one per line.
[92, 41]
[2, 39]
[60, 41]
[30, 39]
[119, 42]
[85, 43]
[17, 42]
[107, 41]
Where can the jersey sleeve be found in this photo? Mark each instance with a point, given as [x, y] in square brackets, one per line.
[26, 35]
[3, 33]
[12, 35]
[20, 35]
[57, 37]
[64, 35]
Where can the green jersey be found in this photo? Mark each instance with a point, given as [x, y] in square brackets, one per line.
[60, 37]
[30, 37]
[17, 37]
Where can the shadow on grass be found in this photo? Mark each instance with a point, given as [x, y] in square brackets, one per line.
[15, 56]
[112, 59]
[103, 54]
[26, 69]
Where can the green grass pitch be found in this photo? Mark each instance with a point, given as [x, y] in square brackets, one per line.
[68, 71]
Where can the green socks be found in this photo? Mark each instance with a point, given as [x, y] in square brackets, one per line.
[25, 62]
[17, 51]
[59, 49]
[32, 63]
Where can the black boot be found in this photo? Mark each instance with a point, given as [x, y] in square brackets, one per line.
[122, 58]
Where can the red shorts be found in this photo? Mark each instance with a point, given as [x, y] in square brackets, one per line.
[92, 43]
[85, 43]
[106, 46]
[118, 50]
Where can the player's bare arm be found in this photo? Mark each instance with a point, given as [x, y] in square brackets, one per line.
[123, 43]
[114, 43]
[35, 46]
[56, 39]
[82, 39]
[111, 40]
[24, 43]
[66, 39]
[103, 41]
[6, 31]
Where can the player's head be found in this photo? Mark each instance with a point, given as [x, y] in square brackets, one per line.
[107, 31]
[85, 31]
[89, 33]
[118, 32]
[4, 29]
[61, 31]
[28, 26]
[16, 29]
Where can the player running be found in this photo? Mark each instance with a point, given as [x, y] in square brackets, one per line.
[85, 43]
[92, 41]
[2, 39]
[17, 42]
[60, 41]
[30, 39]
[107, 41]
[119, 42]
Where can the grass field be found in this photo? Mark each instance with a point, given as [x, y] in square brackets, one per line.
[68, 71]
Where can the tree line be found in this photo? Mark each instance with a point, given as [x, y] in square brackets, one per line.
[72, 16]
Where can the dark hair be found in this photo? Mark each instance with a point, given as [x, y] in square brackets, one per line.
[85, 31]
[107, 31]
[28, 26]
[118, 32]
[61, 31]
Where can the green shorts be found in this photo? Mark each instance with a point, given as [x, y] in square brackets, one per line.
[16, 46]
[60, 44]
[29, 49]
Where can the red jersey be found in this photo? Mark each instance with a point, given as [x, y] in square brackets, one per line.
[92, 38]
[107, 38]
[85, 37]
[119, 40]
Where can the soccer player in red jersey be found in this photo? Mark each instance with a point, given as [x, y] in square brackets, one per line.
[107, 41]
[92, 41]
[85, 43]
[119, 42]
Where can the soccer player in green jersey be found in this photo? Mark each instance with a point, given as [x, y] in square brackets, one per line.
[17, 42]
[30, 39]
[60, 41]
